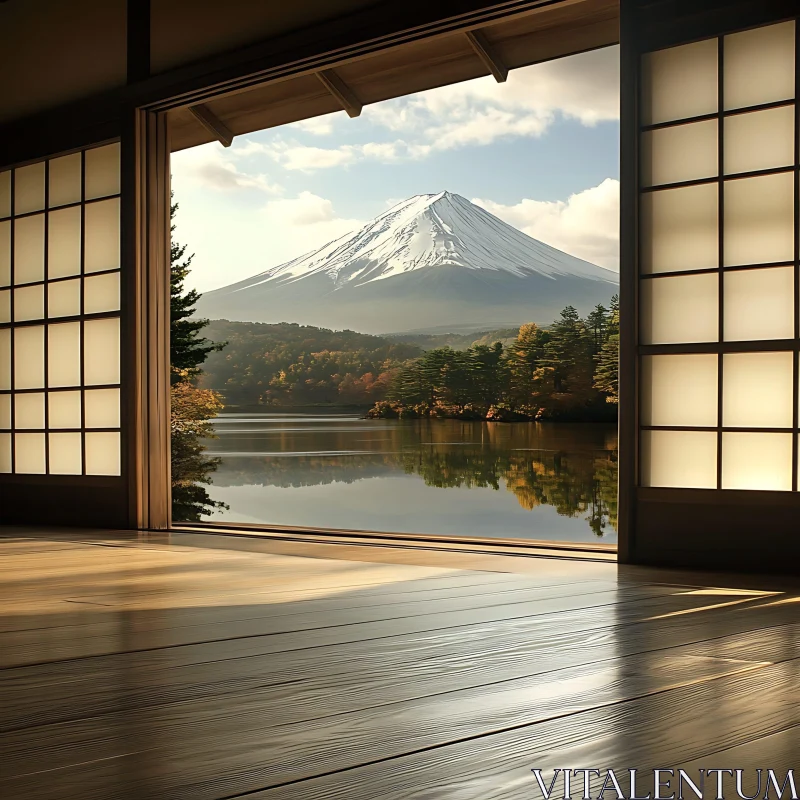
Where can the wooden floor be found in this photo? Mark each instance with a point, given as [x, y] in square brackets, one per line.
[199, 666]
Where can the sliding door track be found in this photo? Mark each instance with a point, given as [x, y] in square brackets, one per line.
[518, 547]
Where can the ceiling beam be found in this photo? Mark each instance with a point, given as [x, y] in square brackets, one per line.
[138, 29]
[341, 91]
[487, 54]
[213, 124]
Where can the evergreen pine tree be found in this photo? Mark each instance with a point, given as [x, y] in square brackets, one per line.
[597, 322]
[432, 369]
[187, 349]
[488, 369]
[457, 385]
[606, 377]
[569, 357]
[409, 387]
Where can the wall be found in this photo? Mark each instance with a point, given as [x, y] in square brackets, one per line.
[187, 30]
[56, 51]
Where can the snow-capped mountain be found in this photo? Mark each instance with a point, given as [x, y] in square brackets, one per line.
[431, 261]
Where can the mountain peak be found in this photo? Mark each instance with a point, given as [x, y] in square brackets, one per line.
[432, 230]
[445, 195]
[424, 260]
[419, 202]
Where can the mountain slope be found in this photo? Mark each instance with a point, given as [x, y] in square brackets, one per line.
[429, 261]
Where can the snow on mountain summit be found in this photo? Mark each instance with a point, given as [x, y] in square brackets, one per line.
[430, 230]
[430, 261]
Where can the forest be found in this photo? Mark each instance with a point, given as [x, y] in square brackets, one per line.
[566, 371]
[286, 364]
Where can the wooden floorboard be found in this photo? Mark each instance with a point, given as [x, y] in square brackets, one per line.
[667, 728]
[308, 629]
[189, 667]
[330, 728]
[341, 677]
[462, 656]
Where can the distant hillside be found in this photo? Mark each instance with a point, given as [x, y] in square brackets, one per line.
[458, 341]
[287, 364]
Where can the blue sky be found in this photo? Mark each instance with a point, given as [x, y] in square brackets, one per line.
[540, 152]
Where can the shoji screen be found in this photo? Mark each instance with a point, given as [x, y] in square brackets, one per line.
[60, 315]
[718, 263]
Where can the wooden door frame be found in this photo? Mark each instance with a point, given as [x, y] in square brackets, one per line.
[149, 452]
[146, 317]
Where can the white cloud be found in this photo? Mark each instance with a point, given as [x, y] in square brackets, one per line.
[585, 225]
[318, 126]
[384, 151]
[305, 209]
[300, 224]
[308, 159]
[584, 87]
[234, 240]
[213, 167]
[292, 155]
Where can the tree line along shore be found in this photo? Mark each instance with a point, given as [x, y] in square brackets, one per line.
[564, 371]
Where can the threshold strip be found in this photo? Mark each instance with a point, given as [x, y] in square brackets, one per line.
[606, 553]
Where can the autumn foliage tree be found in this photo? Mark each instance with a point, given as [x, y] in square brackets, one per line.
[524, 358]
[607, 373]
[566, 371]
[192, 410]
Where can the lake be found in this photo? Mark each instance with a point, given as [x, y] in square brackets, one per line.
[525, 480]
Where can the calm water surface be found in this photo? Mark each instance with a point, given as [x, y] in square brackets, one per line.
[446, 477]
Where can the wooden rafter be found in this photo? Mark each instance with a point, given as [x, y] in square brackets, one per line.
[213, 124]
[487, 54]
[341, 91]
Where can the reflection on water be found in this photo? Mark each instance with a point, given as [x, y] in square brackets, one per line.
[443, 477]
